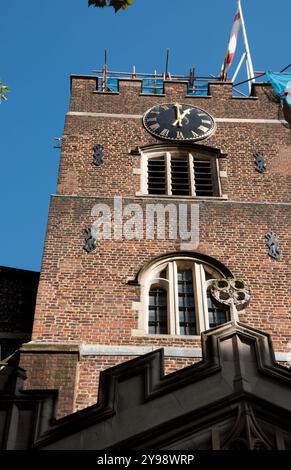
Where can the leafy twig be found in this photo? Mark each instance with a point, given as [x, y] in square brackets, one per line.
[3, 90]
[116, 4]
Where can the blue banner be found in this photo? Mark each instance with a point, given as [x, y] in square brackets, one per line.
[281, 83]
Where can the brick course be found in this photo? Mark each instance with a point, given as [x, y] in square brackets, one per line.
[53, 371]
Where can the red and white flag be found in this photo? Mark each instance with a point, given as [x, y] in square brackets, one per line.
[231, 45]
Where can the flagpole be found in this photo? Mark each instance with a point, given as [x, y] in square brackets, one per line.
[249, 64]
[238, 67]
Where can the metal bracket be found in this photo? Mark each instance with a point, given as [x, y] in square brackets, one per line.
[98, 154]
[273, 245]
[90, 240]
[260, 162]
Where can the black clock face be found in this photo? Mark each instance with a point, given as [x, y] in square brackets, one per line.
[179, 122]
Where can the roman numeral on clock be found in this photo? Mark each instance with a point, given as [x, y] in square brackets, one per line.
[203, 128]
[154, 127]
[164, 132]
[179, 135]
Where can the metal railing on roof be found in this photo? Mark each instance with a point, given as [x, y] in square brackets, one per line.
[153, 83]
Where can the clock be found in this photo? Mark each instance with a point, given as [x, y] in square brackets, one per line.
[179, 122]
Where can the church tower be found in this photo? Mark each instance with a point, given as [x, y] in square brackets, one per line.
[164, 196]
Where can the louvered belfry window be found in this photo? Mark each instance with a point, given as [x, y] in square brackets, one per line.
[182, 174]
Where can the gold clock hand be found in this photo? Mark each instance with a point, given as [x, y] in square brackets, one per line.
[181, 117]
[185, 113]
[178, 115]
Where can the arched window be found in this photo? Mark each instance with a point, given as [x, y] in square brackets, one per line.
[175, 298]
[180, 171]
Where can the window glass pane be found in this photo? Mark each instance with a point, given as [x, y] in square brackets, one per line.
[190, 301]
[163, 300]
[216, 314]
[192, 330]
[152, 314]
[191, 315]
[189, 287]
[163, 274]
[182, 330]
[180, 276]
[158, 315]
[186, 302]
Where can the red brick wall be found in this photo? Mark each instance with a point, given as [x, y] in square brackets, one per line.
[220, 103]
[85, 298]
[75, 300]
[53, 371]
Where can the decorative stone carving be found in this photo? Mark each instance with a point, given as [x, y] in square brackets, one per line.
[247, 434]
[98, 154]
[273, 245]
[90, 240]
[260, 162]
[232, 292]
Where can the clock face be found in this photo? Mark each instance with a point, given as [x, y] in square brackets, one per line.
[179, 122]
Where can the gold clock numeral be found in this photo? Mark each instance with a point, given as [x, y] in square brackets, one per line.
[203, 128]
[206, 121]
[154, 127]
[165, 107]
[152, 119]
[194, 134]
[179, 135]
[165, 132]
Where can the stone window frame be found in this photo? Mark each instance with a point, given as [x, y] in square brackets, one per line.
[148, 275]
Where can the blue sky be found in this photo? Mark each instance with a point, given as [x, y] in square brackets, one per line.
[43, 42]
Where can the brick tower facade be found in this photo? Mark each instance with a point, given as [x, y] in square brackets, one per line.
[125, 295]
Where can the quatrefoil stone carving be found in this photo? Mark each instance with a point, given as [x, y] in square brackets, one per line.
[232, 292]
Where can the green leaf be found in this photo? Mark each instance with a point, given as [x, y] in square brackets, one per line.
[3, 89]
[116, 4]
[97, 3]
